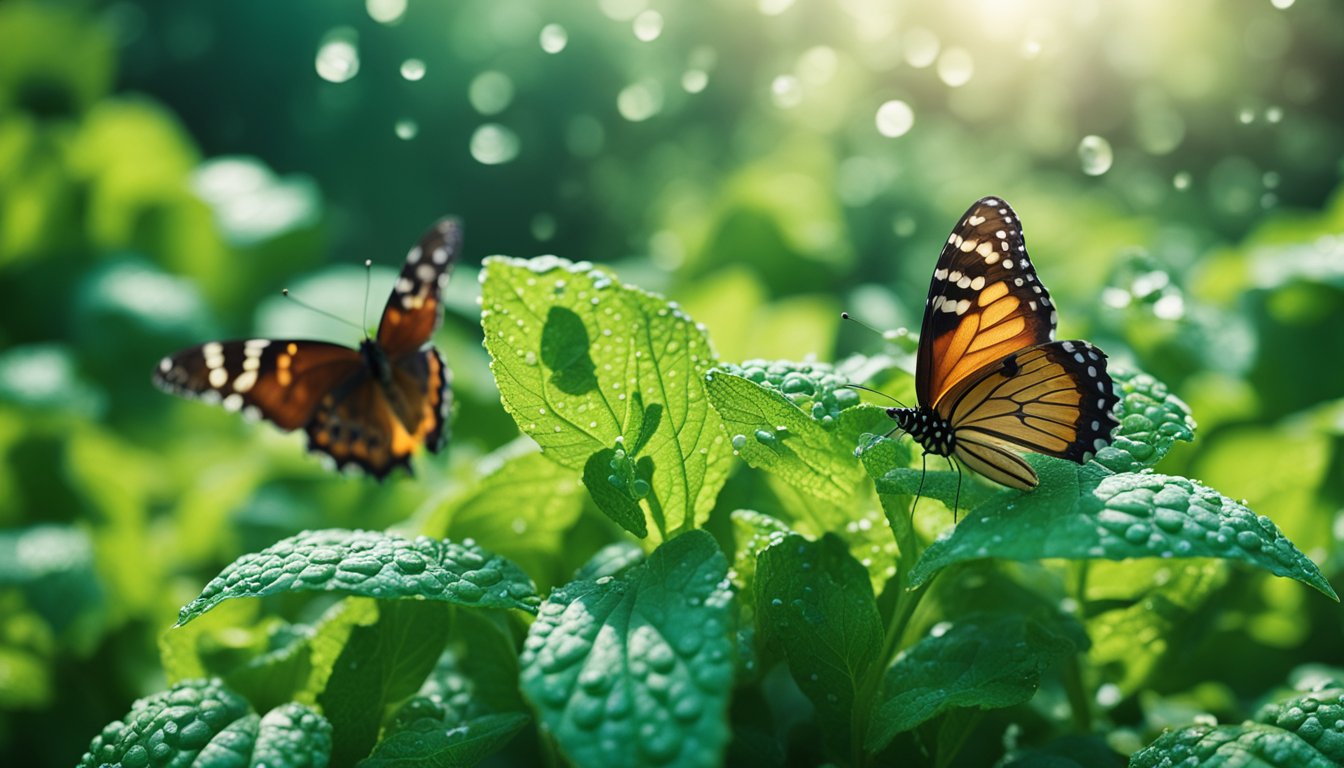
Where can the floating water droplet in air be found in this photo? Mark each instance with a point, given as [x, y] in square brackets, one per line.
[895, 118]
[553, 38]
[1095, 154]
[337, 57]
[413, 69]
[407, 129]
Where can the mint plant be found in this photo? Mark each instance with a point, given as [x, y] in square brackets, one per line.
[762, 549]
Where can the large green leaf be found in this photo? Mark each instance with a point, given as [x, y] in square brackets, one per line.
[1085, 512]
[982, 660]
[636, 669]
[202, 723]
[371, 564]
[1249, 745]
[585, 364]
[1316, 716]
[816, 607]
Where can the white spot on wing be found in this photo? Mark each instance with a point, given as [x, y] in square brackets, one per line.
[218, 377]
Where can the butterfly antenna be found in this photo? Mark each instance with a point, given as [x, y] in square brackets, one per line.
[368, 278]
[285, 292]
[875, 392]
[919, 492]
[847, 316]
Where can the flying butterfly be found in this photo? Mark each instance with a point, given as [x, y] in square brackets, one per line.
[992, 383]
[370, 407]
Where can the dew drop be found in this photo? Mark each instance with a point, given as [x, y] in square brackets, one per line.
[1095, 154]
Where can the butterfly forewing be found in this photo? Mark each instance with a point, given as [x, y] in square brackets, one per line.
[281, 381]
[984, 302]
[1054, 398]
[413, 311]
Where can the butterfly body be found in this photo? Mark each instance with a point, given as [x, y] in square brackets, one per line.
[992, 383]
[370, 407]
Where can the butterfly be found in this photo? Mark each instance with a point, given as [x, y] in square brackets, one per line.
[370, 407]
[991, 382]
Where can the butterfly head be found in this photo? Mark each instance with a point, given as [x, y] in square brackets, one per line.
[930, 430]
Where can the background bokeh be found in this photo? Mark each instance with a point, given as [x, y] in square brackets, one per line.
[166, 166]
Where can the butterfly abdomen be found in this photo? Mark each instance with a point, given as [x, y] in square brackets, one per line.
[931, 431]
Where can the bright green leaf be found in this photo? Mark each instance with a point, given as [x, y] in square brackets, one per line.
[816, 607]
[989, 661]
[583, 362]
[371, 564]
[636, 669]
[1079, 513]
[1230, 746]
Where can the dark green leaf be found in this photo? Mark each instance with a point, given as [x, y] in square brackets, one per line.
[636, 668]
[1151, 421]
[610, 561]
[610, 477]
[372, 564]
[381, 664]
[1080, 513]
[292, 736]
[429, 742]
[1250, 745]
[982, 660]
[816, 606]
[1317, 717]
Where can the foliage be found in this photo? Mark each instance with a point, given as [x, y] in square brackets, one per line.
[667, 532]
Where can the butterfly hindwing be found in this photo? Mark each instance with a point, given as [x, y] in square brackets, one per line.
[281, 381]
[378, 427]
[1054, 398]
[984, 301]
[413, 311]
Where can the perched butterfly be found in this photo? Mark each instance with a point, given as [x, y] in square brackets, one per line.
[991, 382]
[369, 407]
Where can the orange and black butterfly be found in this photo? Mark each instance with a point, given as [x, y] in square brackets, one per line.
[991, 382]
[370, 407]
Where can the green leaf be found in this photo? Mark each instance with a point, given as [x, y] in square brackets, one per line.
[611, 560]
[1316, 716]
[1080, 513]
[429, 742]
[1151, 421]
[372, 564]
[610, 476]
[521, 508]
[636, 669]
[753, 533]
[817, 608]
[984, 660]
[202, 723]
[583, 363]
[1250, 745]
[771, 433]
[1071, 751]
[381, 664]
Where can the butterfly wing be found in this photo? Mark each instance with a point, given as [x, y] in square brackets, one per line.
[282, 381]
[1054, 398]
[413, 311]
[985, 301]
[377, 426]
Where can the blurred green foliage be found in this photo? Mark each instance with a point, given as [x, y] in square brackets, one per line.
[166, 167]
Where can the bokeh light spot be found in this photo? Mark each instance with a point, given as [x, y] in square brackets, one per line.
[407, 129]
[648, 26]
[785, 91]
[955, 67]
[694, 80]
[338, 56]
[773, 7]
[490, 92]
[385, 11]
[921, 47]
[895, 118]
[413, 69]
[493, 144]
[553, 38]
[1095, 154]
[1181, 181]
[640, 101]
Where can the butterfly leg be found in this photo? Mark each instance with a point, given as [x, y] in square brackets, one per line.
[956, 505]
[919, 492]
